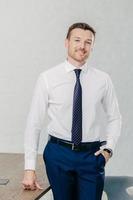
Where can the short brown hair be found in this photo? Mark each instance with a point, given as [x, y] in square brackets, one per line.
[81, 25]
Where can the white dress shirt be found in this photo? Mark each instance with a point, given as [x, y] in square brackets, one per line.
[54, 94]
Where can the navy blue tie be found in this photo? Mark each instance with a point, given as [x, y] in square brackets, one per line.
[77, 110]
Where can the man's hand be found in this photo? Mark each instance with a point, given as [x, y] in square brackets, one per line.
[30, 181]
[104, 153]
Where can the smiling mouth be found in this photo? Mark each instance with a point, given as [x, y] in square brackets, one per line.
[82, 53]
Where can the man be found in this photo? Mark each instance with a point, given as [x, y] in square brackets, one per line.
[72, 93]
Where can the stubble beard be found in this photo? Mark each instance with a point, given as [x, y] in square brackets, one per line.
[82, 57]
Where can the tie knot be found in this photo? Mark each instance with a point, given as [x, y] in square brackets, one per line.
[77, 72]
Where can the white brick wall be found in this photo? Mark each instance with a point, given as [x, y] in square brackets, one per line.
[32, 39]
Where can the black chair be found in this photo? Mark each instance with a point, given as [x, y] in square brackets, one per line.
[116, 187]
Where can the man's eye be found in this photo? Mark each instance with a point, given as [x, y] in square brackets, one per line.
[88, 43]
[77, 40]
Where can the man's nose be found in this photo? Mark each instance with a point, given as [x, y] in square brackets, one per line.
[82, 45]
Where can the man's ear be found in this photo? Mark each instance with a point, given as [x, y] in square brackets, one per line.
[92, 45]
[91, 49]
[66, 43]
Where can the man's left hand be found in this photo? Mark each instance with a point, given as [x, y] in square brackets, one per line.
[104, 153]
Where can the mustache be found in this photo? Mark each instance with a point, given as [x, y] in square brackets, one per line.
[82, 50]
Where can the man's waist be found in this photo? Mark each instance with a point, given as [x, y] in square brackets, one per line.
[80, 147]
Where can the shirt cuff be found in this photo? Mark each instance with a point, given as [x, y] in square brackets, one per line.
[30, 165]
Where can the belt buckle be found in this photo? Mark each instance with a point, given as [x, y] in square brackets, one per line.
[74, 147]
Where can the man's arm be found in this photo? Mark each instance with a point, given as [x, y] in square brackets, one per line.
[34, 126]
[111, 108]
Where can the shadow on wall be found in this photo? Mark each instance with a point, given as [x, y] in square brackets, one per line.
[118, 188]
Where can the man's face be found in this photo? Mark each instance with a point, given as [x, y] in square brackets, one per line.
[79, 44]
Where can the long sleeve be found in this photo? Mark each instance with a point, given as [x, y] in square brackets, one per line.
[111, 108]
[35, 122]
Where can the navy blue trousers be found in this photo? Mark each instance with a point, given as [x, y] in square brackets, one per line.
[74, 175]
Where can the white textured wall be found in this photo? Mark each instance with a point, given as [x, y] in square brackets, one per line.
[32, 40]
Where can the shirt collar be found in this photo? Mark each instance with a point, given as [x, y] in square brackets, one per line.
[69, 67]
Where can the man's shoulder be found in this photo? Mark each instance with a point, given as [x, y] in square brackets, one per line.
[99, 73]
[54, 70]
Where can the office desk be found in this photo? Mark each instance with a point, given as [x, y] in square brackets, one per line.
[11, 167]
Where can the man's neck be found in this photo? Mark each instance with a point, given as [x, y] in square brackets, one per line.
[75, 63]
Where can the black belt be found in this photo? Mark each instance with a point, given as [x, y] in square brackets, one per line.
[81, 147]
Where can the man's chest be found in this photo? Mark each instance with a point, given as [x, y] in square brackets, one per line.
[61, 93]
